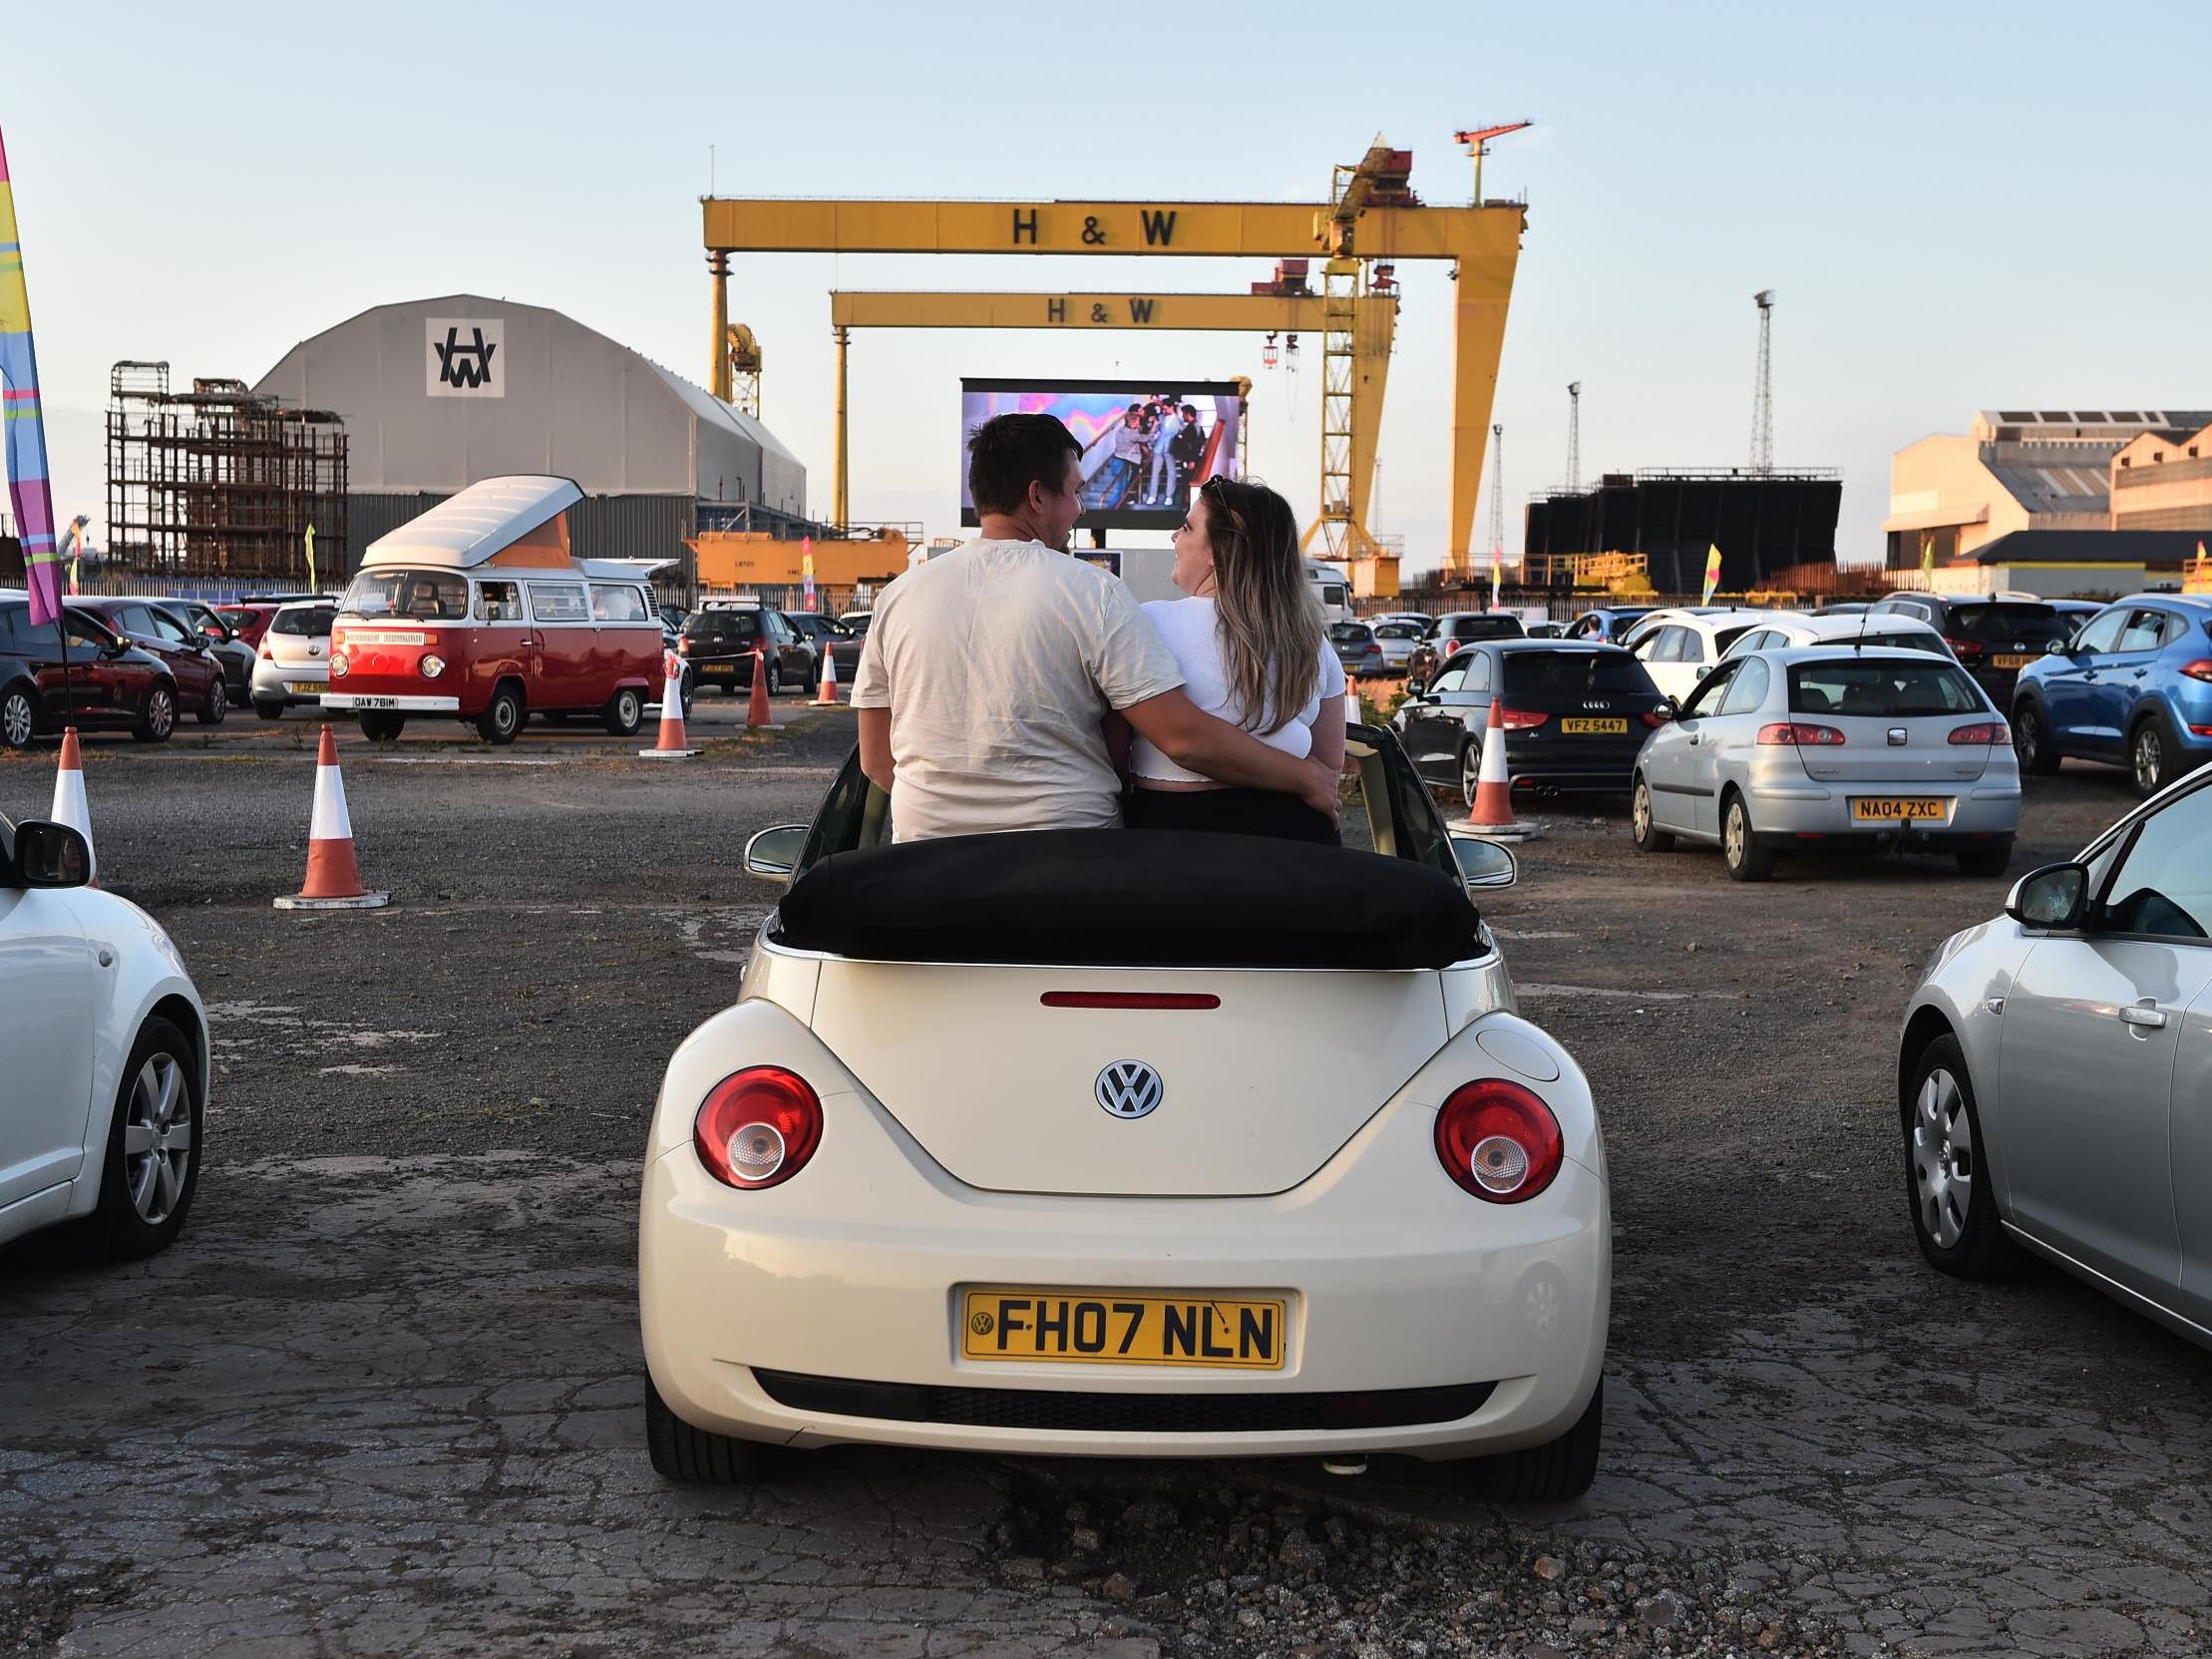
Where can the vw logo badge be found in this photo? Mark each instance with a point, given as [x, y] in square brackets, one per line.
[1128, 1088]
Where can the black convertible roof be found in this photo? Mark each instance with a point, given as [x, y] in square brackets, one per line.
[1130, 899]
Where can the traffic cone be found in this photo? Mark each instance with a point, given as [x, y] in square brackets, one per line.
[1351, 704]
[756, 711]
[69, 794]
[1492, 814]
[827, 696]
[333, 878]
[672, 745]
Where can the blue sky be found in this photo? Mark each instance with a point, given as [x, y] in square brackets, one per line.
[1958, 207]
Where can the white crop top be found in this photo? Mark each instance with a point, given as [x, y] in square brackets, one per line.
[1188, 628]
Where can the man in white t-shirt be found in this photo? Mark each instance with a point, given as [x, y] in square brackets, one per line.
[988, 671]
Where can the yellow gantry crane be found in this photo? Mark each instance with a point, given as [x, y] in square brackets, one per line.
[1370, 221]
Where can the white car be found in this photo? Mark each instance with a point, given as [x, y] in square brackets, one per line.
[1868, 633]
[2054, 1068]
[106, 1046]
[292, 663]
[1677, 645]
[1087, 1142]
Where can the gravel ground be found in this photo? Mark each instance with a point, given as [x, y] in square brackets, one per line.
[382, 1396]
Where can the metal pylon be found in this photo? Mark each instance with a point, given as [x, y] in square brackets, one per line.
[1344, 283]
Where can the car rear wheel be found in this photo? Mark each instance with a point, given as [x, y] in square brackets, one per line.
[2150, 758]
[1987, 858]
[625, 712]
[1739, 848]
[381, 727]
[502, 718]
[269, 711]
[694, 1456]
[218, 705]
[2031, 740]
[1945, 1181]
[150, 1167]
[1470, 774]
[775, 677]
[1553, 1473]
[159, 719]
[18, 717]
[1648, 837]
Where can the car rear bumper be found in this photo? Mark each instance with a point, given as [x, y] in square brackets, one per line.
[1569, 763]
[375, 700]
[274, 683]
[1794, 812]
[825, 1309]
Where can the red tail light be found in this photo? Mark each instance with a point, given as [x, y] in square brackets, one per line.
[1130, 1000]
[758, 1127]
[1798, 732]
[267, 656]
[2201, 668]
[683, 647]
[1498, 1141]
[1520, 720]
[1988, 731]
[1653, 718]
[1962, 649]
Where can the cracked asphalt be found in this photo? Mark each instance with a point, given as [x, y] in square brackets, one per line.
[382, 1397]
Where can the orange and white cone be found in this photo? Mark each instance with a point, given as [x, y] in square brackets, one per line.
[756, 710]
[333, 878]
[827, 696]
[70, 806]
[672, 745]
[1352, 717]
[1492, 814]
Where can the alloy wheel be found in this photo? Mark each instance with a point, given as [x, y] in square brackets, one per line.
[17, 719]
[160, 711]
[1640, 810]
[1732, 833]
[1470, 774]
[157, 1138]
[2148, 754]
[1944, 1164]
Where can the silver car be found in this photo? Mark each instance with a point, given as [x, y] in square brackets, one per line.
[2054, 1068]
[1817, 747]
[1397, 641]
[294, 662]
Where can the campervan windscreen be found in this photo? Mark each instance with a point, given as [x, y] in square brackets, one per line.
[424, 596]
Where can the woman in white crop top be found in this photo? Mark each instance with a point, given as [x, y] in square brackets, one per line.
[1252, 649]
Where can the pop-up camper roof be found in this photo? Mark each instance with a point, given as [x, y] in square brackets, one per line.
[524, 517]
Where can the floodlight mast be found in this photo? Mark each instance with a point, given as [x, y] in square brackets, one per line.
[1762, 394]
[1574, 434]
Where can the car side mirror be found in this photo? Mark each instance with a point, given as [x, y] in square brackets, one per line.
[1484, 864]
[774, 853]
[1666, 709]
[2055, 647]
[2057, 896]
[51, 854]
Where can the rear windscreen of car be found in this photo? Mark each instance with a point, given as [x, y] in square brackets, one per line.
[1398, 630]
[2033, 624]
[1485, 628]
[1881, 688]
[1900, 641]
[1345, 634]
[722, 626]
[1574, 673]
[315, 624]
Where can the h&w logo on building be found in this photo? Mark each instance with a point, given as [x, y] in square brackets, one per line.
[463, 357]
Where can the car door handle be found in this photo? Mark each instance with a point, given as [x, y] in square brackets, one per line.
[2143, 1015]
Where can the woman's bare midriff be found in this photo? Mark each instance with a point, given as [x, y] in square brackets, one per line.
[1174, 785]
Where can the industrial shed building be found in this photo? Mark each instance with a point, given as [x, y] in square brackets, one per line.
[437, 394]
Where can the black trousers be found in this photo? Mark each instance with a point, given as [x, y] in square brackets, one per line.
[1232, 811]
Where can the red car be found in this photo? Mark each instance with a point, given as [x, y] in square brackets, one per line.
[149, 627]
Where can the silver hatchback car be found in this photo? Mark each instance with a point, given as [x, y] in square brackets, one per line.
[2056, 1068]
[1821, 748]
[294, 662]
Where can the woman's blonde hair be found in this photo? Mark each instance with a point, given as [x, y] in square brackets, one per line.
[1270, 620]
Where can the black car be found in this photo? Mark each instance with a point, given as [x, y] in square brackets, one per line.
[1453, 632]
[1575, 714]
[1993, 638]
[104, 681]
[718, 642]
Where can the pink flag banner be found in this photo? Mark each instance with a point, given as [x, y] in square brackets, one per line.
[25, 431]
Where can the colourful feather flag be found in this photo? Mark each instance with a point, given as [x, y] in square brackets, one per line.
[19, 415]
[1712, 572]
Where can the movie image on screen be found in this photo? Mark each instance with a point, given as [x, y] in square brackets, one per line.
[1146, 446]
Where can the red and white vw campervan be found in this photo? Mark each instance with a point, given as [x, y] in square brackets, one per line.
[477, 610]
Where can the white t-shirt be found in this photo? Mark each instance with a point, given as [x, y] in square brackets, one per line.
[1188, 628]
[998, 660]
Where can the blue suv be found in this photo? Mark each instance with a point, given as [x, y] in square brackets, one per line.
[2132, 687]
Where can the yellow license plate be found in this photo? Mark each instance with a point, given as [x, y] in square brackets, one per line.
[1612, 728]
[1127, 1327]
[1895, 809]
[304, 688]
[2010, 661]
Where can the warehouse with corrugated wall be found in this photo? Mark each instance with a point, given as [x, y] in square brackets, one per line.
[437, 394]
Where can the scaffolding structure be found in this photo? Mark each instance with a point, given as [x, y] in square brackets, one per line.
[222, 482]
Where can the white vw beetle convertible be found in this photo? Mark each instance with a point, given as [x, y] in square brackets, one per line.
[1129, 1143]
